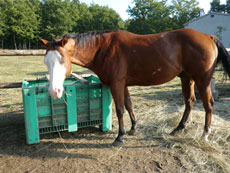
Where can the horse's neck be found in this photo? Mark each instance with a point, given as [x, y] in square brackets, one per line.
[84, 53]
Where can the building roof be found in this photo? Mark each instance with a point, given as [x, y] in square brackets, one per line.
[201, 17]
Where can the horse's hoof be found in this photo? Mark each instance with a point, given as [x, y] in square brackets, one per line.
[205, 135]
[173, 132]
[117, 143]
[205, 139]
[132, 132]
[176, 132]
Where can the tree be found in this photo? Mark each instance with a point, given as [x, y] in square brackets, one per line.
[35, 5]
[228, 6]
[183, 11]
[83, 24]
[148, 16]
[2, 22]
[220, 29]
[217, 7]
[58, 18]
[21, 20]
[152, 16]
[105, 18]
[95, 17]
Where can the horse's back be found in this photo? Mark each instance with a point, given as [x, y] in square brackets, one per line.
[158, 58]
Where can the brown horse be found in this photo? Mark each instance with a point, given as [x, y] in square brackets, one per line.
[122, 59]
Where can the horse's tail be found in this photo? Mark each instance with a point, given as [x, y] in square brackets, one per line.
[223, 55]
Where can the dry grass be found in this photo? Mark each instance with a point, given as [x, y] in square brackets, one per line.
[158, 110]
[166, 111]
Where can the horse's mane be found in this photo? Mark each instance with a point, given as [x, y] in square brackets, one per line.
[84, 39]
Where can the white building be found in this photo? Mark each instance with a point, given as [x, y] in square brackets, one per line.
[214, 24]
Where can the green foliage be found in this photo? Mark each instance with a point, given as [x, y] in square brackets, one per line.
[58, 17]
[227, 6]
[97, 17]
[22, 21]
[217, 7]
[148, 16]
[220, 29]
[152, 16]
[105, 18]
[2, 19]
[183, 11]
[83, 24]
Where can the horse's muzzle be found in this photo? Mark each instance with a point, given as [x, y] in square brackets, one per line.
[56, 92]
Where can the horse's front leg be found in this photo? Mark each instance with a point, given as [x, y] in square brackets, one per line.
[117, 90]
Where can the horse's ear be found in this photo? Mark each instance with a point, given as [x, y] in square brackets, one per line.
[64, 40]
[43, 42]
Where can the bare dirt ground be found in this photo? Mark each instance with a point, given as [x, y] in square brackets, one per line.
[158, 110]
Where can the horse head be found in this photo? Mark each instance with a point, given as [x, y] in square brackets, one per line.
[58, 60]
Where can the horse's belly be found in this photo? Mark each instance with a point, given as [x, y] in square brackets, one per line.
[155, 77]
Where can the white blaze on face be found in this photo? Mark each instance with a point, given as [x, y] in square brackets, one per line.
[57, 72]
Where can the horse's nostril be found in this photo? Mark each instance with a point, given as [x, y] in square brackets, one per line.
[57, 90]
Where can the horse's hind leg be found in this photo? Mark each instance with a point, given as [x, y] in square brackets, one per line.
[128, 106]
[208, 102]
[189, 99]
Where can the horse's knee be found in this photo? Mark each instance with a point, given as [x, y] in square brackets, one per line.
[209, 106]
[191, 101]
[212, 101]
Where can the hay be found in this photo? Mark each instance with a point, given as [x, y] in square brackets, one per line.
[157, 118]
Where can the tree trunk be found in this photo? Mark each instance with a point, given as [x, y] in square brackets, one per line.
[1, 44]
[15, 44]
[24, 46]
